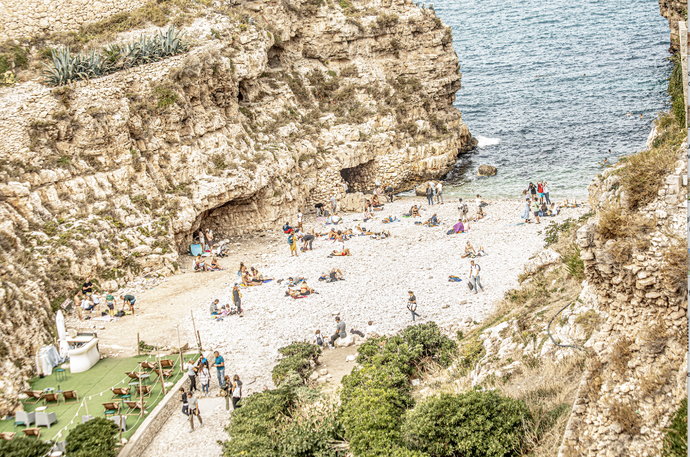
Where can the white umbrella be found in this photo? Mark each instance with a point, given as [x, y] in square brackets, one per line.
[62, 334]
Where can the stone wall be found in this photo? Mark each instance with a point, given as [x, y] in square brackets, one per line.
[110, 178]
[635, 377]
[20, 19]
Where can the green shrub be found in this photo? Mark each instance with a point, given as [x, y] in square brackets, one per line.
[436, 346]
[297, 358]
[675, 90]
[573, 263]
[95, 438]
[371, 377]
[473, 424]
[24, 447]
[676, 439]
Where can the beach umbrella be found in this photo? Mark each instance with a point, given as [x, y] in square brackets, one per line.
[62, 334]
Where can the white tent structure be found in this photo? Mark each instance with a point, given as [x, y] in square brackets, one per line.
[62, 334]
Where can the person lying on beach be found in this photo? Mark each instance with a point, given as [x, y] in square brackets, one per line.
[432, 222]
[380, 235]
[344, 252]
[200, 264]
[305, 289]
[335, 219]
[390, 219]
[469, 251]
[460, 227]
[335, 275]
[363, 231]
[478, 216]
[294, 293]
[293, 281]
[553, 210]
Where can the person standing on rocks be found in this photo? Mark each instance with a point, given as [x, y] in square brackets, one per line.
[474, 276]
[219, 363]
[191, 372]
[439, 193]
[525, 213]
[236, 392]
[339, 331]
[463, 210]
[237, 298]
[429, 194]
[308, 240]
[87, 287]
[205, 380]
[412, 305]
[319, 209]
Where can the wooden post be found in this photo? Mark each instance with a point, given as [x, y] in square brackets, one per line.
[160, 373]
[196, 334]
[198, 337]
[179, 344]
[138, 353]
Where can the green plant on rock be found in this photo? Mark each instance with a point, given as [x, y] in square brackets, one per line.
[676, 439]
[297, 359]
[24, 447]
[166, 97]
[473, 424]
[95, 438]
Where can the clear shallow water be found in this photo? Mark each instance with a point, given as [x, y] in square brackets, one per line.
[524, 96]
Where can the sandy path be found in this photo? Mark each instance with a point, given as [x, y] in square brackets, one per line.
[378, 276]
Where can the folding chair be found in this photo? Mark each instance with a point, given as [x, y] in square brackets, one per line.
[147, 365]
[167, 363]
[9, 436]
[165, 373]
[143, 391]
[121, 392]
[70, 395]
[134, 406]
[111, 408]
[37, 394]
[53, 396]
[33, 432]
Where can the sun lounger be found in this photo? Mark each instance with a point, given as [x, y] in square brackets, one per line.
[52, 396]
[37, 394]
[33, 432]
[167, 363]
[120, 392]
[135, 406]
[70, 395]
[143, 391]
[165, 373]
[9, 436]
[147, 365]
[111, 408]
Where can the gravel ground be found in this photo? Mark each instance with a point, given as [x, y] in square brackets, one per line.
[378, 276]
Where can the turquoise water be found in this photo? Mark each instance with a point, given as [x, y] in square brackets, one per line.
[547, 85]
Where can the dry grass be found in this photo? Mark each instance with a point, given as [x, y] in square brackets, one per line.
[616, 224]
[596, 378]
[620, 356]
[655, 337]
[675, 271]
[625, 415]
[652, 379]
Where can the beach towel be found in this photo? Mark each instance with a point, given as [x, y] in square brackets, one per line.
[454, 279]
[300, 296]
[195, 249]
[267, 280]
[320, 218]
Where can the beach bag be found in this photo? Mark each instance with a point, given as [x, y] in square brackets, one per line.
[319, 339]
[470, 286]
[223, 393]
[450, 232]
[289, 239]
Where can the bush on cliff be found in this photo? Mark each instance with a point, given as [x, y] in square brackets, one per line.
[473, 424]
[297, 358]
[676, 439]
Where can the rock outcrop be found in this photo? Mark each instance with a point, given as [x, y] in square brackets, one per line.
[674, 11]
[635, 377]
[273, 106]
[486, 170]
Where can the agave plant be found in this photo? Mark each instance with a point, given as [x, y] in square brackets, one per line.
[171, 42]
[62, 67]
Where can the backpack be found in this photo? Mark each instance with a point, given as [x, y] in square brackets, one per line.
[290, 239]
[319, 339]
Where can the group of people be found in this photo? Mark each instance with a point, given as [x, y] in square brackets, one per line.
[434, 189]
[200, 264]
[90, 302]
[201, 369]
[341, 333]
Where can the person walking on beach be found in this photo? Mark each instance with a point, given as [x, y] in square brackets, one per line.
[412, 304]
[474, 276]
[535, 209]
[236, 392]
[546, 193]
[219, 363]
[226, 391]
[429, 194]
[205, 380]
[299, 219]
[292, 241]
[439, 193]
[191, 372]
[525, 213]
[194, 411]
[237, 298]
[185, 402]
[339, 331]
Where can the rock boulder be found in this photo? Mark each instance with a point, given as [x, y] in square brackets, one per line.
[486, 170]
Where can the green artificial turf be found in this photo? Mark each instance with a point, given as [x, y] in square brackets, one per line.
[93, 389]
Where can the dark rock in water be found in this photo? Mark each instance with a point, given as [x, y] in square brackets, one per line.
[486, 170]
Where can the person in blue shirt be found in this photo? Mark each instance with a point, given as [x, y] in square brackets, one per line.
[220, 367]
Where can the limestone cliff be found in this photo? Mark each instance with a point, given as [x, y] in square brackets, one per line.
[636, 261]
[274, 104]
[674, 11]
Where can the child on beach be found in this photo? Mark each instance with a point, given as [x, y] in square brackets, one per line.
[110, 303]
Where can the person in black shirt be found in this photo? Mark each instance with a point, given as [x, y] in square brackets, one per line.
[389, 192]
[87, 287]
[319, 209]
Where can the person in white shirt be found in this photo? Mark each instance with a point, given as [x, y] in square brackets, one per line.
[86, 304]
[546, 193]
[371, 329]
[299, 219]
[474, 276]
[439, 193]
[377, 182]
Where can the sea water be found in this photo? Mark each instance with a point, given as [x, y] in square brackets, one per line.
[547, 86]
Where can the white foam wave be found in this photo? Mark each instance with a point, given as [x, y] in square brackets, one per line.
[484, 141]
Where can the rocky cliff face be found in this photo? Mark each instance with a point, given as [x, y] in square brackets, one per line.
[275, 103]
[674, 11]
[635, 377]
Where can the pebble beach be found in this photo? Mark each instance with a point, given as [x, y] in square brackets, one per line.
[378, 276]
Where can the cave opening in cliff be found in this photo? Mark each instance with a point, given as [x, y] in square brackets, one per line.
[360, 178]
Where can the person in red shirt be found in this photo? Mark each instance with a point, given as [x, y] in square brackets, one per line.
[540, 191]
